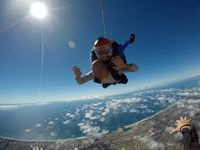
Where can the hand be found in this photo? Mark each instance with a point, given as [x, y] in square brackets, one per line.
[118, 62]
[132, 38]
[181, 123]
[77, 71]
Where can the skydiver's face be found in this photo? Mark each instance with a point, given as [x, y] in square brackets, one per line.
[103, 52]
[104, 56]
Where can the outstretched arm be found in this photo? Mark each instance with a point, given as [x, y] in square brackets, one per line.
[85, 78]
[77, 72]
[123, 46]
[190, 136]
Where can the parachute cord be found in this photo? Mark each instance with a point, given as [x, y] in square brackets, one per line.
[103, 18]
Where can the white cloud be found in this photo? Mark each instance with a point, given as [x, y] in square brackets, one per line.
[169, 129]
[95, 117]
[8, 107]
[98, 104]
[28, 130]
[161, 98]
[72, 116]
[193, 101]
[53, 134]
[102, 119]
[143, 106]
[56, 118]
[178, 136]
[38, 125]
[80, 124]
[183, 94]
[101, 108]
[152, 144]
[51, 122]
[68, 114]
[134, 111]
[89, 130]
[89, 114]
[66, 122]
[106, 112]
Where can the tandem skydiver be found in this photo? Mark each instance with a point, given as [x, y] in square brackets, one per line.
[104, 50]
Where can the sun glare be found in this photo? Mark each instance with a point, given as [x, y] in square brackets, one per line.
[38, 10]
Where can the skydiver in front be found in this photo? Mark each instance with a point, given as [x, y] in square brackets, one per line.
[101, 75]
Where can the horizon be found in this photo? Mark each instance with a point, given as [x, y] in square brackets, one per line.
[104, 96]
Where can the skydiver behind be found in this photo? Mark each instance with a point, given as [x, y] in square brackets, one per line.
[190, 137]
[100, 74]
[104, 50]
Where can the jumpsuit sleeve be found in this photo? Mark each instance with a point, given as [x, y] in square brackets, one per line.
[134, 68]
[190, 138]
[123, 46]
[186, 138]
[86, 78]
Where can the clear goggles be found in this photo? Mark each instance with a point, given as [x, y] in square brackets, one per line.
[107, 50]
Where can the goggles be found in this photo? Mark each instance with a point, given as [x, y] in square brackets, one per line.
[107, 49]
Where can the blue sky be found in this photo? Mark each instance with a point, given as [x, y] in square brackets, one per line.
[166, 48]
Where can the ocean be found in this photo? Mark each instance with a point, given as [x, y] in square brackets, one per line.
[80, 118]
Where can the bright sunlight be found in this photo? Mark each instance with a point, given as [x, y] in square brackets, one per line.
[38, 10]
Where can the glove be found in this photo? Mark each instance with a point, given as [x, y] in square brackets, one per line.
[132, 38]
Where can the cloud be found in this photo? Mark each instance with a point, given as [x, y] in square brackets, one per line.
[102, 119]
[193, 101]
[72, 116]
[178, 136]
[183, 94]
[89, 130]
[169, 129]
[106, 112]
[89, 141]
[95, 117]
[53, 134]
[152, 144]
[66, 122]
[38, 125]
[51, 122]
[28, 130]
[143, 106]
[89, 114]
[68, 114]
[98, 104]
[161, 98]
[11, 107]
[134, 111]
[56, 118]
[101, 108]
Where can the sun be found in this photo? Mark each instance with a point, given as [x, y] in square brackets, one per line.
[38, 10]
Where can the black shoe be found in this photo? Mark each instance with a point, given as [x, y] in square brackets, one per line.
[104, 85]
[123, 79]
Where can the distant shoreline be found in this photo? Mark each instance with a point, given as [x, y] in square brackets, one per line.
[127, 126]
